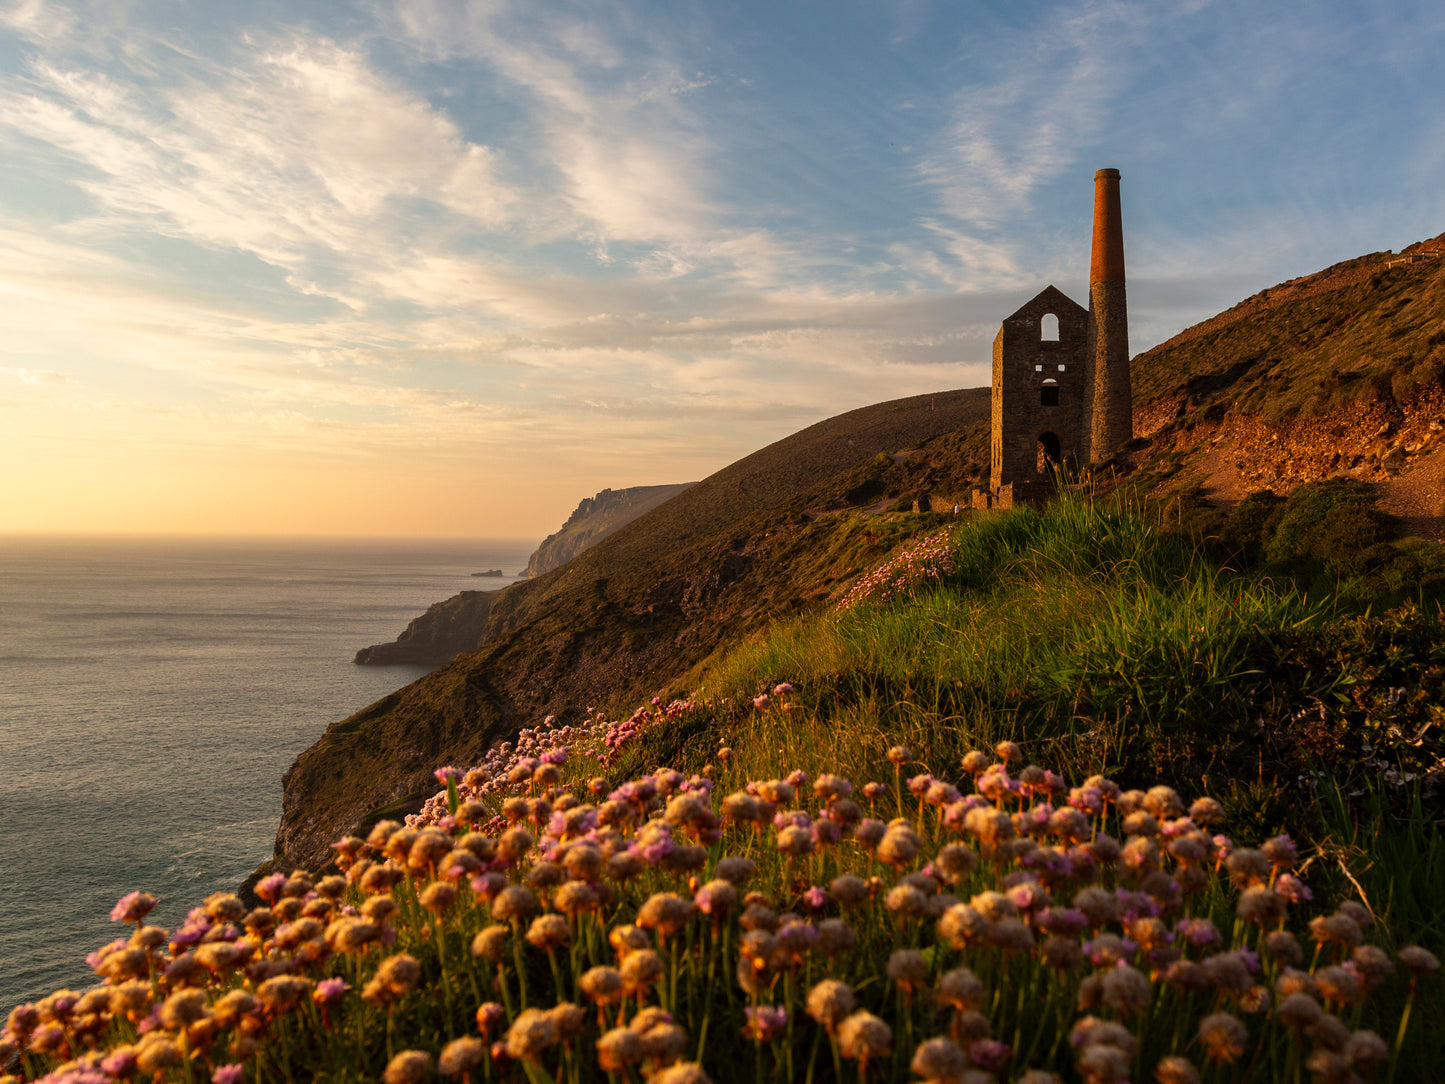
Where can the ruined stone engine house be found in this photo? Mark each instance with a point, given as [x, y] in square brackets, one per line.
[1061, 372]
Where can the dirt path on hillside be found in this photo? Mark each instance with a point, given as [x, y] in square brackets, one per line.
[1417, 497]
[1223, 485]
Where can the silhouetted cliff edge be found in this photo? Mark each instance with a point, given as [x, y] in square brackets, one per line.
[441, 634]
[596, 518]
[459, 623]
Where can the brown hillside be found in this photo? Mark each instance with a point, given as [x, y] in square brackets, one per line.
[1333, 374]
[596, 518]
[750, 543]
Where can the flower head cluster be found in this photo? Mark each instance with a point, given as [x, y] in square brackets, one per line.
[927, 558]
[778, 915]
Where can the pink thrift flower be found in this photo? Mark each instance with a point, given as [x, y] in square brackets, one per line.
[228, 1074]
[654, 851]
[1199, 932]
[826, 832]
[152, 1022]
[93, 960]
[990, 1055]
[1293, 889]
[134, 906]
[329, 991]
[268, 888]
[1027, 895]
[120, 1065]
[1280, 851]
[765, 1023]
[994, 783]
[1177, 827]
[24, 1019]
[920, 783]
[449, 774]
[489, 1015]
[815, 898]
[1037, 818]
[487, 885]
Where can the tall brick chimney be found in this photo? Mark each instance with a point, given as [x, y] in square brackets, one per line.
[1111, 408]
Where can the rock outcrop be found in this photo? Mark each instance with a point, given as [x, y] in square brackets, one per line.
[441, 634]
[596, 518]
[459, 623]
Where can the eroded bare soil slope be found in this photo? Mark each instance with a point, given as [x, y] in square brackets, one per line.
[1334, 374]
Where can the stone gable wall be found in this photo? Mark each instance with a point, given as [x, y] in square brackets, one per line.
[1022, 362]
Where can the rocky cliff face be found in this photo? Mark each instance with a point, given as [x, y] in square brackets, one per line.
[441, 634]
[596, 518]
[459, 624]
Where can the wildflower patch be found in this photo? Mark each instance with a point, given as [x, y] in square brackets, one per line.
[998, 925]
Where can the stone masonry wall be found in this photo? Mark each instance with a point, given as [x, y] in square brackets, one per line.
[1023, 362]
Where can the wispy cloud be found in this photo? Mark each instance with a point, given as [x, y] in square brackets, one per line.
[611, 104]
[37, 20]
[1046, 91]
[39, 377]
[297, 153]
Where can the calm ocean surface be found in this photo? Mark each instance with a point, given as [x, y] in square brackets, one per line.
[152, 693]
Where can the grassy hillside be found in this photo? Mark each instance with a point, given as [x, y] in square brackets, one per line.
[1014, 810]
[1358, 330]
[755, 541]
[1225, 405]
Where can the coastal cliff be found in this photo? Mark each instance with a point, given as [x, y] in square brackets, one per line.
[446, 630]
[459, 623]
[760, 539]
[596, 518]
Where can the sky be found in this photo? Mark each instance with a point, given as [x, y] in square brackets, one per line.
[437, 268]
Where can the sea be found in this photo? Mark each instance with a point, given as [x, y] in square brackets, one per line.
[153, 692]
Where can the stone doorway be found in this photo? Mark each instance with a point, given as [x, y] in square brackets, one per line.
[1050, 455]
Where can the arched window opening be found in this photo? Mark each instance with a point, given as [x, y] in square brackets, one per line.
[1050, 455]
[1049, 328]
[1049, 393]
